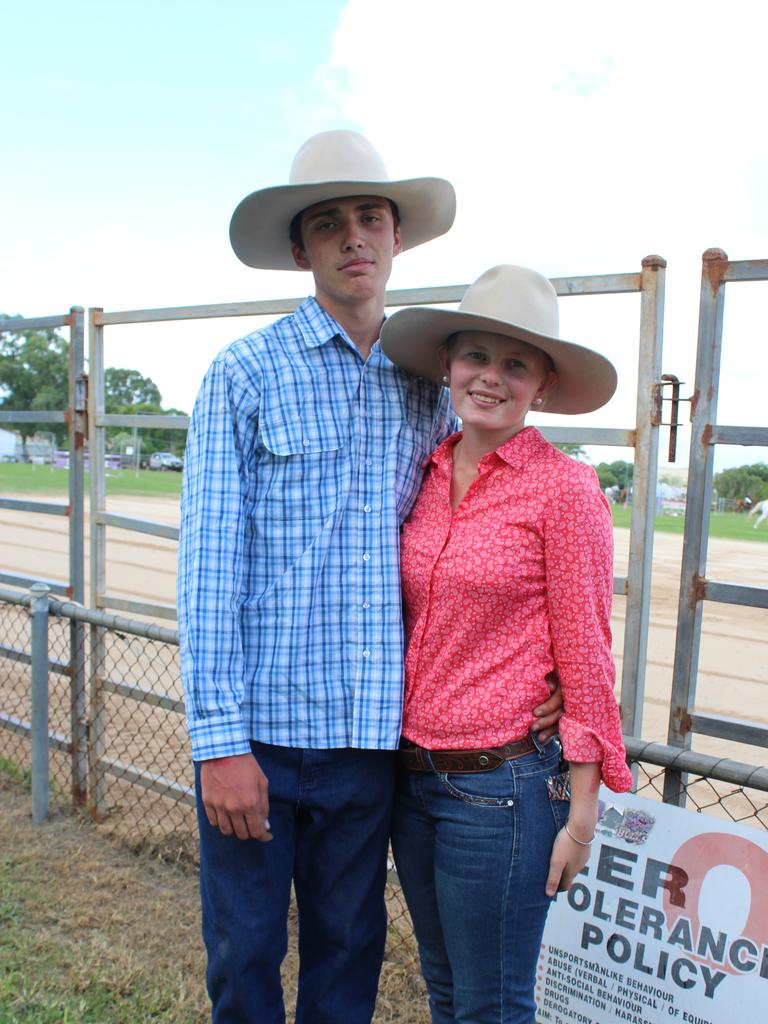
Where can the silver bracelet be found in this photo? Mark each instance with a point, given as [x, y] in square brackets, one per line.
[579, 841]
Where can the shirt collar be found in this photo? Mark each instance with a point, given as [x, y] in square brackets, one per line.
[518, 452]
[522, 449]
[318, 327]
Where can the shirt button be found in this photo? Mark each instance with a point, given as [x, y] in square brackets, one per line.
[366, 557]
[366, 605]
[366, 508]
[369, 462]
[366, 654]
[306, 443]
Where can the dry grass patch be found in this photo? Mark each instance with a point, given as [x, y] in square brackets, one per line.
[92, 933]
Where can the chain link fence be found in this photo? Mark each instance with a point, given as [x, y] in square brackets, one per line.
[137, 757]
[139, 766]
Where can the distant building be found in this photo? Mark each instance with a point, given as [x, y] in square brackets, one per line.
[10, 446]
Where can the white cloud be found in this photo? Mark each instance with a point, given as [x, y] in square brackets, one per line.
[580, 137]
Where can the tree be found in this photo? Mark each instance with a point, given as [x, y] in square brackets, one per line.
[740, 481]
[153, 439]
[34, 375]
[126, 389]
[576, 451]
[615, 474]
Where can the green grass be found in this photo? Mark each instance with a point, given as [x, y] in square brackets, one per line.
[722, 525]
[90, 934]
[15, 772]
[21, 478]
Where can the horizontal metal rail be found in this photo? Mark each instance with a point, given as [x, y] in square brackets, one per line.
[590, 435]
[268, 307]
[739, 435]
[96, 617]
[144, 696]
[15, 580]
[614, 436]
[598, 284]
[149, 526]
[721, 769]
[126, 604]
[18, 725]
[59, 668]
[746, 270]
[19, 323]
[15, 654]
[152, 421]
[46, 508]
[148, 780]
[8, 416]
[735, 593]
[735, 729]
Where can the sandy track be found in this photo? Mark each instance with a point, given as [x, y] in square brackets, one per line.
[733, 667]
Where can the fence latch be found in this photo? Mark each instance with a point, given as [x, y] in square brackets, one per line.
[81, 393]
[668, 380]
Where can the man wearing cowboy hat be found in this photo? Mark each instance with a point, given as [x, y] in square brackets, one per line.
[304, 455]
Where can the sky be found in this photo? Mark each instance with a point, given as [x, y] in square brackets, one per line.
[579, 137]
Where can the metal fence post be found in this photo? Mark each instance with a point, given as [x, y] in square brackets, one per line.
[77, 424]
[39, 723]
[697, 509]
[643, 497]
[97, 455]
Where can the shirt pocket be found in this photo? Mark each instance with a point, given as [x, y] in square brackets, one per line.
[302, 448]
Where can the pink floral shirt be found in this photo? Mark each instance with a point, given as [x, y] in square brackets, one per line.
[516, 582]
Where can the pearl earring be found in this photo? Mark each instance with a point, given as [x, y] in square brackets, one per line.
[445, 379]
[538, 400]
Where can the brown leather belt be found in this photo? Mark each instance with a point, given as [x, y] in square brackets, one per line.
[461, 762]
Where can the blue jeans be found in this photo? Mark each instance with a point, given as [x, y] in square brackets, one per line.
[330, 814]
[472, 852]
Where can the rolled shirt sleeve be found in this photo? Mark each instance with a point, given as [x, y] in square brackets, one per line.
[578, 555]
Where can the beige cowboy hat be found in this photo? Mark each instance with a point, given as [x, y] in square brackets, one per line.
[333, 165]
[515, 302]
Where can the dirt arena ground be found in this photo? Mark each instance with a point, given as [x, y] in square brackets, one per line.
[733, 668]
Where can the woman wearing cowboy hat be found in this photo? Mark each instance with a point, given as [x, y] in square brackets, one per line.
[507, 576]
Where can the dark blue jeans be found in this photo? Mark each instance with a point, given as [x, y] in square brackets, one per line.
[472, 853]
[330, 814]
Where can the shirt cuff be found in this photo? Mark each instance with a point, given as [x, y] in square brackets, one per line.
[582, 744]
[218, 736]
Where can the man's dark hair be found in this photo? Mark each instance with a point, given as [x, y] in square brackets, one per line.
[294, 231]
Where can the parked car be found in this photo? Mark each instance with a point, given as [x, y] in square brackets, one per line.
[165, 460]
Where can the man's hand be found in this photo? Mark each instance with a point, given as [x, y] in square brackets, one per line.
[235, 797]
[550, 712]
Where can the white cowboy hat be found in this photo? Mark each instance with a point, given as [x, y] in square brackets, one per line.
[515, 302]
[333, 165]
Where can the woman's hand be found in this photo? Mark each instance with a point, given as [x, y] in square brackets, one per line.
[567, 860]
[571, 848]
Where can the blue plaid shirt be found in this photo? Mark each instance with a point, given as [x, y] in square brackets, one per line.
[302, 460]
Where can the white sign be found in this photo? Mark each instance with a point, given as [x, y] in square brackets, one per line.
[669, 922]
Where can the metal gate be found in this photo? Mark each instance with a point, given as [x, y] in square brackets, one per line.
[695, 587]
